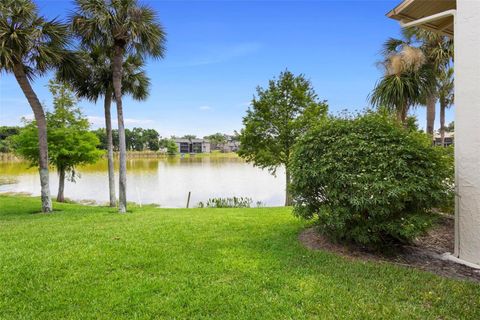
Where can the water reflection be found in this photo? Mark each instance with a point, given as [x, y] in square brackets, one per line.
[165, 181]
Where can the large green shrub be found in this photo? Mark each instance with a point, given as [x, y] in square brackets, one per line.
[368, 179]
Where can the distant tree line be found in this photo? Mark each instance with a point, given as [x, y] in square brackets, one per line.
[136, 139]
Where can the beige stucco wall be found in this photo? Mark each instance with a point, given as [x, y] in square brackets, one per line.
[467, 129]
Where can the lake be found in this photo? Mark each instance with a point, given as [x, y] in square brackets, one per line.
[162, 181]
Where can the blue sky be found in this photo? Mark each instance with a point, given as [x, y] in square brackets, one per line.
[219, 51]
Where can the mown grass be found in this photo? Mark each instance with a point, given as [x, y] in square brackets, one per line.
[92, 263]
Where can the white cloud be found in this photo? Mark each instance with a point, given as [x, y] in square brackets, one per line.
[128, 121]
[28, 117]
[96, 121]
[205, 108]
[100, 121]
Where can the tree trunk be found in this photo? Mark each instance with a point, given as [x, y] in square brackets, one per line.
[431, 101]
[61, 185]
[442, 124]
[117, 87]
[108, 127]
[41, 121]
[402, 114]
[288, 196]
[399, 116]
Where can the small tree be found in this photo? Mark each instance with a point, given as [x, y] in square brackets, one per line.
[280, 114]
[170, 145]
[217, 140]
[70, 142]
[450, 127]
[6, 134]
[151, 137]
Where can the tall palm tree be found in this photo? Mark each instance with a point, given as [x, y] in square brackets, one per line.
[122, 26]
[92, 79]
[445, 91]
[438, 50]
[406, 83]
[30, 45]
[438, 53]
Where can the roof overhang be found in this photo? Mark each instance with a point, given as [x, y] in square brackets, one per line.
[413, 10]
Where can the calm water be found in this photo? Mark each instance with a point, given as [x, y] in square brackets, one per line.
[161, 181]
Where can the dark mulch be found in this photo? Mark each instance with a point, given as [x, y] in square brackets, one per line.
[424, 254]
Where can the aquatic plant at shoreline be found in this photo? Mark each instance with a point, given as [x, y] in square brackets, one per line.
[234, 202]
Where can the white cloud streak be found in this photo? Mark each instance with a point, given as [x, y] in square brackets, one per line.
[97, 121]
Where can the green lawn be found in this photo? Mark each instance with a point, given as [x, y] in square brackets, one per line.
[91, 263]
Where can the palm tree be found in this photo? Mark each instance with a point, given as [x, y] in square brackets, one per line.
[445, 96]
[30, 45]
[93, 79]
[406, 83]
[438, 53]
[122, 26]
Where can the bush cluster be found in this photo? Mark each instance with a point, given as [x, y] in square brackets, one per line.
[368, 180]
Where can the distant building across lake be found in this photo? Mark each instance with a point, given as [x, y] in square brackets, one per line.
[231, 145]
[192, 145]
[449, 139]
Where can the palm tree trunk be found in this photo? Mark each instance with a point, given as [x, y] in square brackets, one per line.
[402, 114]
[288, 196]
[442, 124]
[117, 87]
[431, 101]
[108, 127]
[41, 121]
[61, 185]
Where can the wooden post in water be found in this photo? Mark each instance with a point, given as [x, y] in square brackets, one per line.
[188, 199]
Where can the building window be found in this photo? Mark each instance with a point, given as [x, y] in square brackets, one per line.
[184, 147]
[197, 147]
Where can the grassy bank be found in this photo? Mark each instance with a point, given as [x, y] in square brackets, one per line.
[91, 263]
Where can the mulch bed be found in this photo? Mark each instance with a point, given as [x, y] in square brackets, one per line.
[425, 253]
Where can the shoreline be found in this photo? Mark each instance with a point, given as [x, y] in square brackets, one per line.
[11, 157]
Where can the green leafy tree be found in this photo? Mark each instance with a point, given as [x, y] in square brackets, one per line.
[137, 139]
[280, 114]
[450, 127]
[189, 136]
[70, 142]
[122, 27]
[101, 134]
[170, 145]
[369, 180]
[30, 45]
[217, 140]
[151, 138]
[6, 132]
